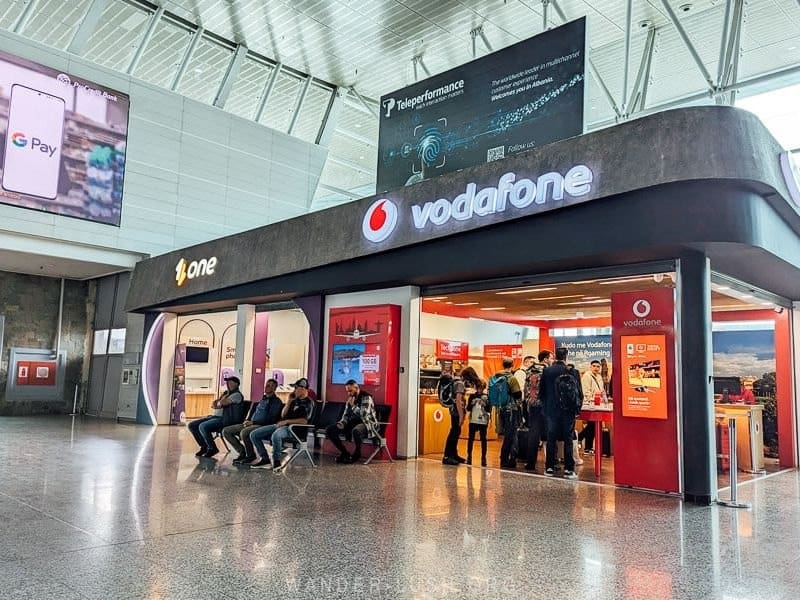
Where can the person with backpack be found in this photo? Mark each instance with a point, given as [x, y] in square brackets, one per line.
[505, 394]
[451, 391]
[562, 396]
[536, 424]
[479, 413]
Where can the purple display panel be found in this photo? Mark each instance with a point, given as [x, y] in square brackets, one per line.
[178, 412]
[312, 307]
[259, 374]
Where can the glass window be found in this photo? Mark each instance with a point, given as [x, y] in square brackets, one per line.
[120, 31]
[116, 341]
[10, 12]
[100, 346]
[53, 22]
[312, 112]
[164, 54]
[248, 87]
[278, 113]
[206, 70]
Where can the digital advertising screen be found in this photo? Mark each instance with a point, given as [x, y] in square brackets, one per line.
[518, 98]
[62, 142]
[644, 390]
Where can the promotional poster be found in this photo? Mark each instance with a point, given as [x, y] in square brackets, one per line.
[178, 409]
[364, 345]
[62, 142]
[644, 390]
[521, 97]
[586, 348]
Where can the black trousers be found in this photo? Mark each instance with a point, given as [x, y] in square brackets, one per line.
[353, 429]
[480, 429]
[535, 431]
[560, 427]
[508, 451]
[451, 445]
[587, 433]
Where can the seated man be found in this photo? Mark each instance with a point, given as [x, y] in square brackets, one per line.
[265, 412]
[358, 422]
[297, 411]
[203, 429]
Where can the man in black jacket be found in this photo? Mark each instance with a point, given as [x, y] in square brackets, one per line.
[225, 413]
[559, 411]
[265, 412]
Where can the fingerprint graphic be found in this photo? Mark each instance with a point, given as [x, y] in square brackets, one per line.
[429, 146]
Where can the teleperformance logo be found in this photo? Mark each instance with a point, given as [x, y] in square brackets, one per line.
[391, 104]
[186, 270]
[380, 219]
[20, 140]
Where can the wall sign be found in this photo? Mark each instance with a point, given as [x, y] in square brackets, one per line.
[644, 368]
[186, 270]
[452, 350]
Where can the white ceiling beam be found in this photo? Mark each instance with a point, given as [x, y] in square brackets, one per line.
[545, 15]
[87, 27]
[331, 118]
[301, 99]
[723, 44]
[640, 86]
[231, 74]
[265, 95]
[25, 16]
[688, 43]
[148, 35]
[370, 109]
[626, 67]
[187, 57]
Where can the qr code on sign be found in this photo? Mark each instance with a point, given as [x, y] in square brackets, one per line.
[495, 153]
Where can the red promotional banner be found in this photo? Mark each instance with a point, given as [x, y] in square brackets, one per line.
[644, 390]
[449, 349]
[493, 355]
[364, 345]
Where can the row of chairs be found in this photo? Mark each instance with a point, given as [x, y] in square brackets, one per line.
[324, 415]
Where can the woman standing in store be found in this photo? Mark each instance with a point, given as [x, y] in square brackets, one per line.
[478, 411]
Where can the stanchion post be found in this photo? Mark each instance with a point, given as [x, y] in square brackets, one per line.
[74, 403]
[733, 466]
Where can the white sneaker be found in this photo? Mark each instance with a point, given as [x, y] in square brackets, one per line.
[570, 475]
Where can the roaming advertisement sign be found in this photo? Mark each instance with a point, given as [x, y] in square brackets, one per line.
[518, 98]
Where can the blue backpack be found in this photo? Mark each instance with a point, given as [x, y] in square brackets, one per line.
[499, 395]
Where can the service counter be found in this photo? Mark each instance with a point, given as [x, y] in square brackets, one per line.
[434, 425]
[749, 434]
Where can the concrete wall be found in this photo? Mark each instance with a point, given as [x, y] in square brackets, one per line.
[194, 172]
[30, 306]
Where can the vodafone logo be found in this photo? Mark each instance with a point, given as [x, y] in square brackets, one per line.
[380, 220]
[642, 308]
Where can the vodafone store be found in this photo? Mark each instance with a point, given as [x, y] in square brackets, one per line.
[663, 254]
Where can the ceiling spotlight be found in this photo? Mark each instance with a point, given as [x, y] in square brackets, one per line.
[685, 7]
[646, 24]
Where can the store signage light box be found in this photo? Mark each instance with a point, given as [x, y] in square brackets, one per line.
[64, 142]
[518, 98]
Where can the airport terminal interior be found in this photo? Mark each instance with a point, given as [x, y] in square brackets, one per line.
[399, 299]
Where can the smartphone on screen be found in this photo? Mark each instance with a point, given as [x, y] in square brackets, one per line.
[32, 159]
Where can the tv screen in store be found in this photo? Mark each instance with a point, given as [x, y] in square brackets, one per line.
[62, 142]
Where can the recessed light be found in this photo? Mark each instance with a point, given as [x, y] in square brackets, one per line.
[494, 308]
[554, 298]
[685, 7]
[526, 291]
[584, 303]
[466, 303]
[437, 298]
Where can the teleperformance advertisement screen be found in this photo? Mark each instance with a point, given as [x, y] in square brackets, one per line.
[510, 101]
[63, 142]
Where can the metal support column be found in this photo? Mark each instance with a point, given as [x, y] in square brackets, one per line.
[262, 104]
[639, 91]
[485, 43]
[331, 118]
[627, 65]
[696, 398]
[234, 66]
[688, 43]
[723, 44]
[545, 16]
[421, 63]
[363, 102]
[187, 57]
[24, 16]
[299, 105]
[87, 27]
[148, 35]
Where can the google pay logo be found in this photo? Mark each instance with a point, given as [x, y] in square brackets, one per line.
[19, 140]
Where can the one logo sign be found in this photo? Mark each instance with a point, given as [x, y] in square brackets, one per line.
[642, 308]
[185, 270]
[380, 220]
[64, 78]
[19, 140]
[438, 415]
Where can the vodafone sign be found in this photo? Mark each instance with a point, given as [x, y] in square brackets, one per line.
[380, 220]
[645, 310]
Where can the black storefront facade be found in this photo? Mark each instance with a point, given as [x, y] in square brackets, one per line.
[691, 191]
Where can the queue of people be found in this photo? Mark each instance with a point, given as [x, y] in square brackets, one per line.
[544, 396]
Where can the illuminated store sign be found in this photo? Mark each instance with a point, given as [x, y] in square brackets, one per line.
[381, 219]
[191, 270]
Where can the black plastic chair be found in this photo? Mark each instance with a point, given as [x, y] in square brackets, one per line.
[382, 412]
[299, 439]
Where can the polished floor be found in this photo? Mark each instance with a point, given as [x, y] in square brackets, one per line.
[107, 511]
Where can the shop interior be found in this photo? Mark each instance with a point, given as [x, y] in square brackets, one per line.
[280, 351]
[479, 328]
